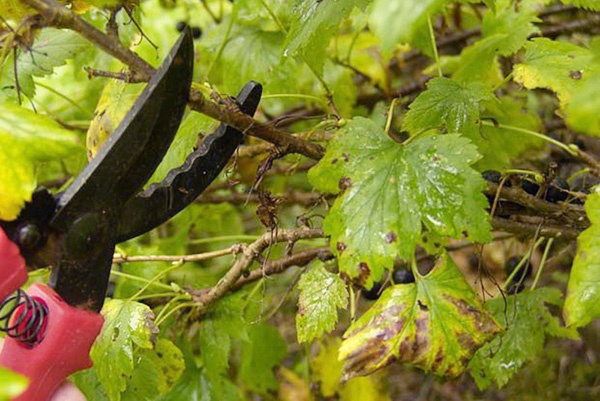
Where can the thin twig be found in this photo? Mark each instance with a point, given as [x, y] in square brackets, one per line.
[232, 250]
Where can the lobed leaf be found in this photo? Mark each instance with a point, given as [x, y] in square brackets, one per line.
[321, 294]
[127, 324]
[526, 321]
[436, 324]
[449, 104]
[51, 49]
[391, 192]
[27, 139]
[314, 25]
[559, 66]
[582, 303]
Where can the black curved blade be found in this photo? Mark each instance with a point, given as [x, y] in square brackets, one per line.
[184, 184]
[134, 150]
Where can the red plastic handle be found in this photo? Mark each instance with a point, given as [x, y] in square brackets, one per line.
[64, 350]
[13, 272]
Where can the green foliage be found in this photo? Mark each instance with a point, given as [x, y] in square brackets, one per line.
[583, 294]
[398, 21]
[265, 351]
[11, 384]
[526, 321]
[127, 325]
[314, 23]
[321, 294]
[448, 104]
[27, 140]
[380, 213]
[51, 49]
[436, 324]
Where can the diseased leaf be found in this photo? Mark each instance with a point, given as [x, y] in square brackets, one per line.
[321, 294]
[327, 370]
[127, 324]
[51, 49]
[526, 321]
[556, 65]
[265, 350]
[582, 303]
[26, 140]
[391, 191]
[156, 371]
[314, 25]
[11, 384]
[449, 104]
[436, 324]
[117, 99]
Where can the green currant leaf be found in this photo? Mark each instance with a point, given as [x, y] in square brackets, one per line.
[51, 49]
[527, 321]
[582, 110]
[127, 324]
[582, 303]
[559, 66]
[398, 21]
[449, 104]
[321, 294]
[593, 5]
[27, 139]
[11, 384]
[265, 350]
[436, 324]
[391, 191]
[314, 25]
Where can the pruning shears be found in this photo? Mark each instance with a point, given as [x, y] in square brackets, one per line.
[51, 328]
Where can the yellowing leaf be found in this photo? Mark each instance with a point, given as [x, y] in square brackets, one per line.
[582, 303]
[116, 100]
[327, 370]
[26, 140]
[321, 294]
[391, 192]
[559, 66]
[436, 324]
[126, 324]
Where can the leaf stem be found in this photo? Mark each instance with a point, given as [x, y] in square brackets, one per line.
[542, 263]
[297, 95]
[521, 263]
[434, 46]
[142, 279]
[174, 266]
[390, 116]
[546, 138]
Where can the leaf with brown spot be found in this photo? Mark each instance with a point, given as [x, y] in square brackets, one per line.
[436, 324]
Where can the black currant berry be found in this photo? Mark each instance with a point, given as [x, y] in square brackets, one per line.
[196, 32]
[530, 186]
[181, 26]
[374, 292]
[523, 273]
[558, 190]
[492, 176]
[402, 276]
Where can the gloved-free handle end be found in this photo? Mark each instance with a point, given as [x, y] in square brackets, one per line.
[64, 349]
[13, 271]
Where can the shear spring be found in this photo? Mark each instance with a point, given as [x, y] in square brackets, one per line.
[24, 318]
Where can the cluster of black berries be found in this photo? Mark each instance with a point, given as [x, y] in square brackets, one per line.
[400, 275]
[516, 284]
[196, 31]
[556, 191]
